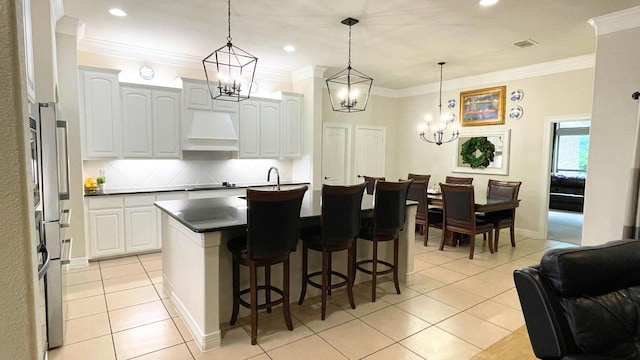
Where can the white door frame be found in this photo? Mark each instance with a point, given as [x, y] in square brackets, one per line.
[545, 183]
[384, 138]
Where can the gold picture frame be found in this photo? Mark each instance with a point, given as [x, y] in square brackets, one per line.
[483, 106]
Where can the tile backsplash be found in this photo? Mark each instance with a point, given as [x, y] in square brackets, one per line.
[124, 174]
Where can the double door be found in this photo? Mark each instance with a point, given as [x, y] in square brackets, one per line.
[260, 129]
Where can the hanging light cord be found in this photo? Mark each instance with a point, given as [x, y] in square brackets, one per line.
[349, 65]
[229, 20]
[440, 103]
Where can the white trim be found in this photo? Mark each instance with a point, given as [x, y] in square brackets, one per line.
[308, 72]
[67, 26]
[545, 164]
[109, 48]
[529, 234]
[386, 92]
[503, 133]
[617, 21]
[204, 341]
[547, 68]
[57, 10]
[77, 263]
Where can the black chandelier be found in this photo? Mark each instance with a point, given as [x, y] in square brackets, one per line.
[233, 67]
[440, 126]
[349, 89]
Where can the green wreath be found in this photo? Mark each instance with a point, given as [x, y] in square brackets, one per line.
[470, 149]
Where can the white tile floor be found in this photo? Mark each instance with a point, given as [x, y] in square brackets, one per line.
[456, 307]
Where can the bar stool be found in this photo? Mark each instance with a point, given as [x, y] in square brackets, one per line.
[389, 214]
[371, 183]
[338, 231]
[424, 217]
[273, 228]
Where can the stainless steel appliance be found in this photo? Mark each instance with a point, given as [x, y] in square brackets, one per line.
[51, 140]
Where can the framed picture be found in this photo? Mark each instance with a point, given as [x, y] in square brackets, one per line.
[483, 107]
[499, 164]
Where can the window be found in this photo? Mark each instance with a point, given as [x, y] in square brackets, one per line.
[571, 147]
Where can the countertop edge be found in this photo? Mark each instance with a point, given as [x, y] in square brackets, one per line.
[187, 188]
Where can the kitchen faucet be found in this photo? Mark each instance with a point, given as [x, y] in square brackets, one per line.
[277, 173]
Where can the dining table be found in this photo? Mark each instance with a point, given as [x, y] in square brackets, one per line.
[482, 205]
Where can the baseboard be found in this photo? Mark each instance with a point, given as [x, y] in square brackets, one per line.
[530, 234]
[76, 263]
[204, 341]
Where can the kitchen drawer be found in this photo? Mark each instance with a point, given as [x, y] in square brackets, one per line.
[105, 202]
[139, 200]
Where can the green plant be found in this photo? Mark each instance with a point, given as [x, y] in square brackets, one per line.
[474, 145]
[101, 179]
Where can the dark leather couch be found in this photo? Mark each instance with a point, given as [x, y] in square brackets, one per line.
[584, 302]
[566, 193]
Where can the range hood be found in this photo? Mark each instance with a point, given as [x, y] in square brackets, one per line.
[211, 131]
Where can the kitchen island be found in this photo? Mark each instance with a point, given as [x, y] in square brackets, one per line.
[197, 265]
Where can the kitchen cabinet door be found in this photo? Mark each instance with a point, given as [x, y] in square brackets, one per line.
[137, 122]
[141, 229]
[249, 129]
[166, 123]
[100, 110]
[269, 129]
[292, 124]
[106, 233]
[197, 96]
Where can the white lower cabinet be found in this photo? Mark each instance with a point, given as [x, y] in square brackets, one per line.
[128, 224]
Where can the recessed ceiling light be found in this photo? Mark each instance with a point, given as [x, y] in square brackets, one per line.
[487, 3]
[117, 12]
[289, 48]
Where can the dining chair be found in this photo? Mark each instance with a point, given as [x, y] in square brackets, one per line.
[371, 182]
[389, 213]
[424, 217]
[419, 177]
[273, 229]
[458, 180]
[502, 190]
[338, 230]
[460, 215]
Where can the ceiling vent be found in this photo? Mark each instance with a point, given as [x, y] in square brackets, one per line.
[525, 43]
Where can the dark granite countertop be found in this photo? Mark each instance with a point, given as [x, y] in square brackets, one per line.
[197, 187]
[226, 213]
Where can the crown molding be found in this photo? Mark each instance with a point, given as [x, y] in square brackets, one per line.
[68, 26]
[617, 21]
[308, 72]
[386, 92]
[114, 49]
[542, 69]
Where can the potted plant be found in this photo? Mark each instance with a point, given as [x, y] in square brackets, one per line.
[101, 180]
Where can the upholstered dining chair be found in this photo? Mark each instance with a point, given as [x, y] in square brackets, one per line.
[458, 180]
[389, 214]
[460, 215]
[371, 183]
[502, 190]
[338, 231]
[273, 229]
[424, 217]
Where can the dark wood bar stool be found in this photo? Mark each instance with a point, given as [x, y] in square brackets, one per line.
[460, 215]
[419, 177]
[273, 228]
[389, 214]
[338, 231]
[424, 217]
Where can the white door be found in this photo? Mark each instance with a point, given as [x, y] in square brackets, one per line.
[137, 122]
[166, 124]
[370, 151]
[336, 154]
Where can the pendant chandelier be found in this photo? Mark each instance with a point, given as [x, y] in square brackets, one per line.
[229, 70]
[349, 89]
[434, 132]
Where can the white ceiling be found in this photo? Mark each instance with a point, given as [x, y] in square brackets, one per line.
[397, 42]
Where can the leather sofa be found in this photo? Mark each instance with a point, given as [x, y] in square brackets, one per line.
[584, 302]
[566, 193]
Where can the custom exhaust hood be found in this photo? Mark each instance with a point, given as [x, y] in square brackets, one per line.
[211, 131]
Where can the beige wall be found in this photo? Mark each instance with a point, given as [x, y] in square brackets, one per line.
[613, 131]
[17, 274]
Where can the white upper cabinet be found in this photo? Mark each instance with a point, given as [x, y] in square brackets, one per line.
[166, 123]
[100, 110]
[137, 122]
[292, 125]
[197, 96]
[259, 128]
